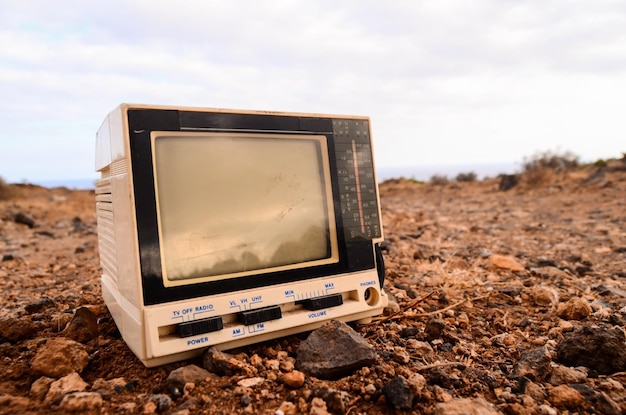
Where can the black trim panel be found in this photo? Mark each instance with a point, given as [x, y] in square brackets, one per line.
[354, 255]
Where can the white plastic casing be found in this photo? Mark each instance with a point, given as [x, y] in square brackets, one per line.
[150, 331]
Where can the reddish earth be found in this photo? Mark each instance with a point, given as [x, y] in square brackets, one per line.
[487, 285]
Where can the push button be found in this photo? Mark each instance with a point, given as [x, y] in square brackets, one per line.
[317, 303]
[195, 327]
[259, 315]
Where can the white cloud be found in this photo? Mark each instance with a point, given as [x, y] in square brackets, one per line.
[444, 82]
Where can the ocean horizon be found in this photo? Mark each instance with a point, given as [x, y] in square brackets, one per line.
[422, 173]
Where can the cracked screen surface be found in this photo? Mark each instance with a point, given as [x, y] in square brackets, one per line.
[232, 205]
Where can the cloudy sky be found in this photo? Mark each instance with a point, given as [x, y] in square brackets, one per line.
[444, 82]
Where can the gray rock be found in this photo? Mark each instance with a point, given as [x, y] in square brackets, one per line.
[83, 327]
[39, 305]
[60, 357]
[399, 393]
[177, 378]
[162, 402]
[434, 328]
[601, 349]
[507, 182]
[534, 364]
[223, 364]
[334, 350]
[24, 219]
[575, 308]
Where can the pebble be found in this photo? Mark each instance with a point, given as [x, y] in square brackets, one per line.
[294, 379]
[286, 408]
[575, 308]
[399, 393]
[466, 406]
[334, 350]
[70, 383]
[545, 296]
[24, 219]
[83, 327]
[222, 363]
[86, 402]
[561, 375]
[161, 402]
[504, 262]
[563, 396]
[40, 387]
[534, 363]
[250, 382]
[18, 329]
[59, 357]
[178, 378]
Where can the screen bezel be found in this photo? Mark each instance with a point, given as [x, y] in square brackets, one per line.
[321, 150]
[354, 255]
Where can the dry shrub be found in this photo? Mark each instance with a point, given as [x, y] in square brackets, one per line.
[6, 190]
[466, 177]
[438, 179]
[557, 162]
[541, 168]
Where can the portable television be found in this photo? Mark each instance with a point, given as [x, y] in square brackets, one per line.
[224, 227]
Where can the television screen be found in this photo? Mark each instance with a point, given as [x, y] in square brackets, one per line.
[234, 204]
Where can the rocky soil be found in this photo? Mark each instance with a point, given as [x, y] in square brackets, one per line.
[507, 302]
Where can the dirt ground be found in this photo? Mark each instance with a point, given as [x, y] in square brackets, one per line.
[480, 278]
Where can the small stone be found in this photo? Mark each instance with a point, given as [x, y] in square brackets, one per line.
[534, 364]
[370, 389]
[286, 365]
[161, 401]
[504, 262]
[59, 357]
[24, 219]
[336, 401]
[547, 410]
[563, 396]
[400, 355]
[250, 382]
[466, 406]
[399, 393]
[562, 375]
[40, 388]
[39, 305]
[318, 407]
[222, 363]
[293, 379]
[67, 384]
[83, 327]
[545, 296]
[417, 382]
[334, 350]
[434, 328]
[178, 378]
[599, 348]
[287, 408]
[575, 308]
[18, 329]
[88, 402]
[409, 331]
